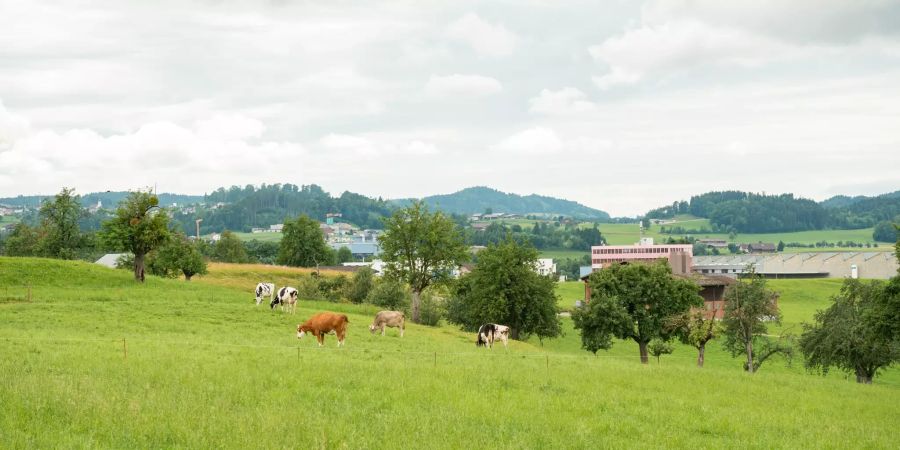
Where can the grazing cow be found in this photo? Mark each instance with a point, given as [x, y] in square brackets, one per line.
[264, 290]
[383, 319]
[286, 296]
[490, 332]
[324, 323]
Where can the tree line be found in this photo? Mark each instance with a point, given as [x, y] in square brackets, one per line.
[746, 212]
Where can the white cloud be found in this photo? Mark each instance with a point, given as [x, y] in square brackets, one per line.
[456, 85]
[485, 38]
[189, 159]
[533, 141]
[672, 47]
[567, 100]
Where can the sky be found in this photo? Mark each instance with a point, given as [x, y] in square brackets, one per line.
[623, 106]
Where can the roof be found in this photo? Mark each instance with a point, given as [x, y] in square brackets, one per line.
[707, 280]
[109, 260]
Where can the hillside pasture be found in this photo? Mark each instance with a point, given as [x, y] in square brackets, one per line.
[97, 360]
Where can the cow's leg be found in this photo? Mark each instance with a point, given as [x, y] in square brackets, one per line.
[383, 328]
[402, 327]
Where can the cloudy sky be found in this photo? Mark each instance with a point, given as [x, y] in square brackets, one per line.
[620, 105]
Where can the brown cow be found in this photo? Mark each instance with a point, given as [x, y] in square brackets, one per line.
[323, 323]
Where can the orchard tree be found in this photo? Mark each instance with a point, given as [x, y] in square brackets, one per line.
[694, 328]
[303, 244]
[505, 288]
[59, 222]
[178, 256]
[421, 248]
[749, 305]
[139, 226]
[843, 335]
[23, 241]
[230, 249]
[633, 301]
[659, 347]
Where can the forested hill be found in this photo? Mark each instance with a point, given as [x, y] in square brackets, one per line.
[479, 199]
[759, 213]
[250, 206]
[109, 199]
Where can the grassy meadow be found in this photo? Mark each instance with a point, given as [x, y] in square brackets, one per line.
[95, 360]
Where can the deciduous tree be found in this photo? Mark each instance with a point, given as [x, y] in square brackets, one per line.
[303, 244]
[421, 248]
[695, 329]
[634, 302]
[505, 288]
[59, 222]
[230, 249]
[139, 226]
[843, 335]
[749, 305]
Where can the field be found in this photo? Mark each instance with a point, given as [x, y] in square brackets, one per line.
[95, 360]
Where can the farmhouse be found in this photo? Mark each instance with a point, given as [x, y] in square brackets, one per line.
[761, 247]
[715, 243]
[545, 266]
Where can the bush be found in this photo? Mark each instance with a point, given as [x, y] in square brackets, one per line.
[360, 285]
[433, 306]
[390, 294]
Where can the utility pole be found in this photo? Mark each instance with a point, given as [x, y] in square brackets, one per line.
[198, 228]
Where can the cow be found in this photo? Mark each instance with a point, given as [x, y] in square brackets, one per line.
[383, 319]
[324, 323]
[285, 296]
[490, 332]
[264, 290]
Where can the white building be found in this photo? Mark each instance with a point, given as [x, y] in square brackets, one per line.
[545, 266]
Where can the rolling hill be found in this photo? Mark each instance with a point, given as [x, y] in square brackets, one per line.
[480, 198]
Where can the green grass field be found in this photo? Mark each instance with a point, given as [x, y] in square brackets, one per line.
[206, 368]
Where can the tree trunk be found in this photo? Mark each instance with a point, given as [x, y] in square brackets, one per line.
[701, 350]
[644, 356]
[139, 267]
[415, 305]
[187, 276]
[862, 376]
[514, 334]
[749, 356]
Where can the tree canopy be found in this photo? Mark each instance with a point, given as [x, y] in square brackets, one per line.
[504, 288]
[303, 244]
[230, 249]
[633, 301]
[845, 336]
[421, 248]
[139, 226]
[749, 306]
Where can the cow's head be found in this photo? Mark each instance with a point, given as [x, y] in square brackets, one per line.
[372, 328]
[274, 302]
[300, 331]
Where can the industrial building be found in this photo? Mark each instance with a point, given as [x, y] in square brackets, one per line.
[873, 265]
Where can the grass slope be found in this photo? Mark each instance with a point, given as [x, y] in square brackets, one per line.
[205, 368]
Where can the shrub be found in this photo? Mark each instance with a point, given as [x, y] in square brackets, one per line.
[360, 285]
[390, 294]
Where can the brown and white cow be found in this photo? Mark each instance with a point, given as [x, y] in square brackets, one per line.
[490, 332]
[323, 323]
[394, 319]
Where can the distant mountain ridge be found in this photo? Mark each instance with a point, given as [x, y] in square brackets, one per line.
[478, 199]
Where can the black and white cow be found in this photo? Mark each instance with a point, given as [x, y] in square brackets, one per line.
[490, 332]
[286, 296]
[264, 290]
